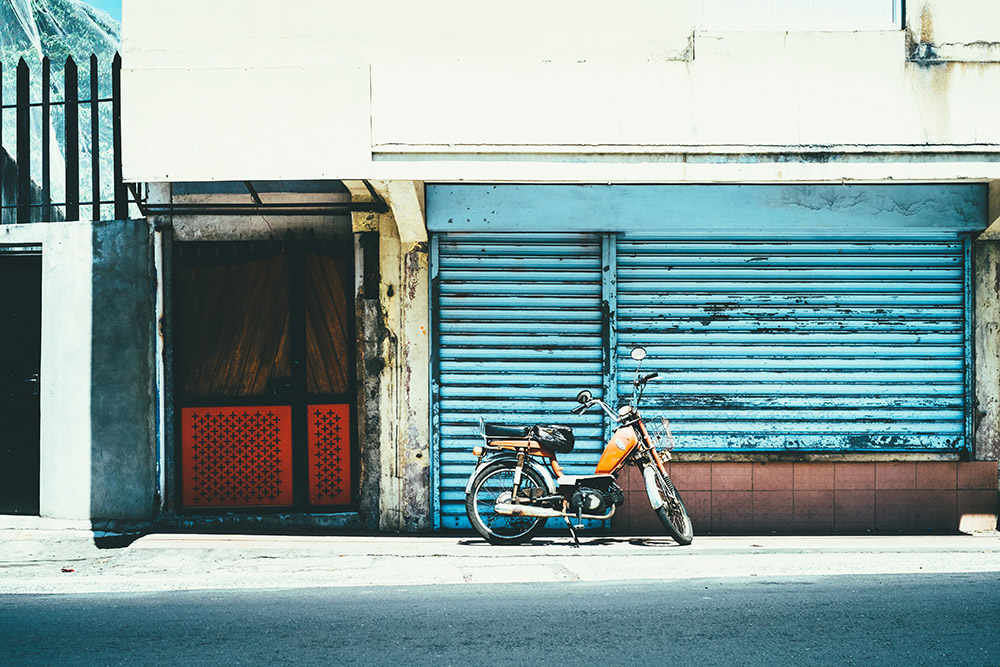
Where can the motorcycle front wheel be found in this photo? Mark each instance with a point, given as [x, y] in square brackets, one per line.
[496, 483]
[672, 514]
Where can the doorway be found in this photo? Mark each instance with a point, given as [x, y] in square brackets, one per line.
[20, 363]
[264, 364]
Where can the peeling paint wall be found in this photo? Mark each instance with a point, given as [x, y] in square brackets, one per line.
[371, 362]
[955, 30]
[987, 350]
[394, 349]
[986, 262]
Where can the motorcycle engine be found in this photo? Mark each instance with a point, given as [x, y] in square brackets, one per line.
[592, 501]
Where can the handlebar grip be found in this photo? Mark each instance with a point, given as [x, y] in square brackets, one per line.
[649, 377]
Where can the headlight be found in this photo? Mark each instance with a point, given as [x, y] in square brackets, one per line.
[624, 410]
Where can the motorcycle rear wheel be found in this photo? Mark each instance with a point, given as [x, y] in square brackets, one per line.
[493, 482]
[672, 514]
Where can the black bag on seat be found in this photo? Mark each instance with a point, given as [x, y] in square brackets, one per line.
[557, 438]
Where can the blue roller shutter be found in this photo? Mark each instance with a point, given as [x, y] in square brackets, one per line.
[801, 344]
[518, 332]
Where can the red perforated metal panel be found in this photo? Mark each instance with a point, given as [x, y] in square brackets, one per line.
[236, 457]
[329, 454]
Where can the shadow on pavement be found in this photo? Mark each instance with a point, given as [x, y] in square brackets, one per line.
[116, 541]
[542, 542]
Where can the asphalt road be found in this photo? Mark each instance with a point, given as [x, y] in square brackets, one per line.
[921, 619]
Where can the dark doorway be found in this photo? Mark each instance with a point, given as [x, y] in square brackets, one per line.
[264, 375]
[20, 361]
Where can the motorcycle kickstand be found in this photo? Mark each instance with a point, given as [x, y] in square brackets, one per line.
[572, 531]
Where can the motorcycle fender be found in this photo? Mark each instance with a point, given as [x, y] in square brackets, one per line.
[653, 491]
[546, 475]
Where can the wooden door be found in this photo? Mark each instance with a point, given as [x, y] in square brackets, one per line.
[264, 362]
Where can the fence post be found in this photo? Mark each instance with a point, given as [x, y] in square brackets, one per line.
[46, 143]
[95, 140]
[23, 142]
[72, 136]
[121, 193]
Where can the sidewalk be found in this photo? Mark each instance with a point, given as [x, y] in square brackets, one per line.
[65, 559]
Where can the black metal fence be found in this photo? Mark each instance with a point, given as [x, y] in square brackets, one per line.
[25, 199]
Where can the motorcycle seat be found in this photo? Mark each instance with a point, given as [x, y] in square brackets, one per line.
[505, 431]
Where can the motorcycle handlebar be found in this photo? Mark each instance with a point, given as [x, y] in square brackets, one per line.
[580, 410]
[646, 378]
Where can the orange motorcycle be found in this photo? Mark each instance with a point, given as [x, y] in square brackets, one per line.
[518, 484]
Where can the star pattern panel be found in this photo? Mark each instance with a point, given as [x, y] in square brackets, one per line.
[236, 457]
[329, 454]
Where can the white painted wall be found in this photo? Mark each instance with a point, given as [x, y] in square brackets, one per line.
[964, 30]
[194, 34]
[563, 90]
[799, 14]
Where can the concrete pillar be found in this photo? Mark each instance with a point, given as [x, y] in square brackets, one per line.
[986, 333]
[394, 365]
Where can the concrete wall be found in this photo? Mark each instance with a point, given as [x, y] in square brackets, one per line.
[558, 91]
[98, 457]
[123, 459]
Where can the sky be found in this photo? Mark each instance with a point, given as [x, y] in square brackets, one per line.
[113, 7]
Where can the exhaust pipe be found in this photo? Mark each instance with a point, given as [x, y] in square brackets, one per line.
[511, 509]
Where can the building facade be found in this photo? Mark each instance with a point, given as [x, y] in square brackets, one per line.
[373, 224]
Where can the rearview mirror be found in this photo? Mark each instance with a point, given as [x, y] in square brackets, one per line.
[584, 397]
[639, 353]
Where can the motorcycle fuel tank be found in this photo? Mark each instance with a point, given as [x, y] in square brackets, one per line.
[622, 442]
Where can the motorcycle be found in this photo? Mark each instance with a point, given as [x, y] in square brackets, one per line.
[518, 484]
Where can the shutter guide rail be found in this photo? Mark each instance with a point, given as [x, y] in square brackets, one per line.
[609, 305]
[969, 364]
[435, 388]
